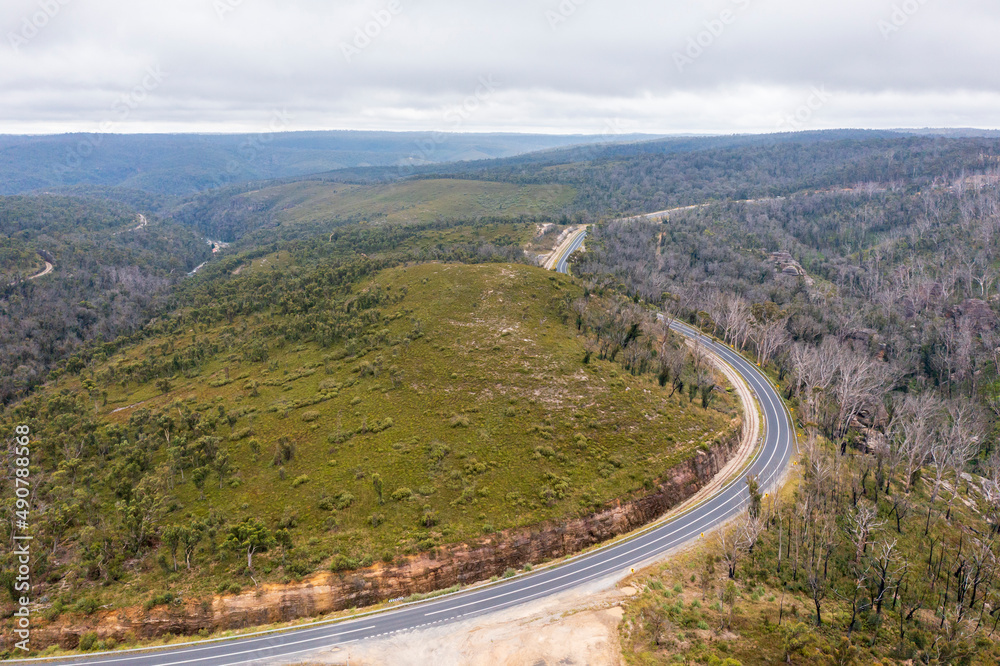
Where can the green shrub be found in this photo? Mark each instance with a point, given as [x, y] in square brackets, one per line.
[87, 605]
[298, 569]
[382, 425]
[310, 416]
[159, 600]
[88, 641]
[401, 494]
[340, 501]
[300, 480]
[544, 452]
[343, 563]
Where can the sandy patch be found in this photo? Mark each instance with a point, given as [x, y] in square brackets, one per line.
[574, 629]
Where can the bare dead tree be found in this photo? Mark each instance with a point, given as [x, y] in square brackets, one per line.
[770, 338]
[920, 417]
[862, 523]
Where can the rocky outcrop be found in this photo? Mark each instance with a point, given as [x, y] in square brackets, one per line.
[442, 568]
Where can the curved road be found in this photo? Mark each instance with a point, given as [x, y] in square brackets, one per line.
[563, 265]
[48, 269]
[769, 464]
[559, 259]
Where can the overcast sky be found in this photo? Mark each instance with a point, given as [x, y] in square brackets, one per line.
[591, 66]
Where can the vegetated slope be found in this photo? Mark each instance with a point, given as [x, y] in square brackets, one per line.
[181, 164]
[358, 415]
[877, 308]
[230, 214]
[594, 182]
[109, 278]
[656, 175]
[852, 565]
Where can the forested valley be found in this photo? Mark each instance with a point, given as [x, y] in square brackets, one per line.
[875, 309]
[112, 272]
[859, 270]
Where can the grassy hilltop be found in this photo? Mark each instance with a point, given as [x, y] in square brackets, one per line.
[404, 409]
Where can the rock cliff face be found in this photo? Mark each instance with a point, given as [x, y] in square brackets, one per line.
[459, 564]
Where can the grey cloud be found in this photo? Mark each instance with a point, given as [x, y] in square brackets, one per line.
[564, 65]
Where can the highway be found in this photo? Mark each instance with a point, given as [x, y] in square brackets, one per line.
[559, 260]
[769, 463]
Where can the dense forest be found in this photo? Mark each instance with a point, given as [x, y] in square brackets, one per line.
[182, 164]
[619, 180]
[875, 307]
[111, 274]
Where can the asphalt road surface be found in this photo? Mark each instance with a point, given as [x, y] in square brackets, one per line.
[769, 464]
[563, 265]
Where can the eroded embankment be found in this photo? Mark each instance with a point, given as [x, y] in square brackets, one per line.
[449, 565]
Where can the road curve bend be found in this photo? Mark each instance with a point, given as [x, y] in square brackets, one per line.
[768, 463]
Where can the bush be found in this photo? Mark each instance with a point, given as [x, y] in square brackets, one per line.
[310, 416]
[159, 600]
[300, 480]
[235, 588]
[88, 641]
[298, 569]
[401, 494]
[340, 501]
[343, 563]
[87, 605]
[544, 452]
[239, 434]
